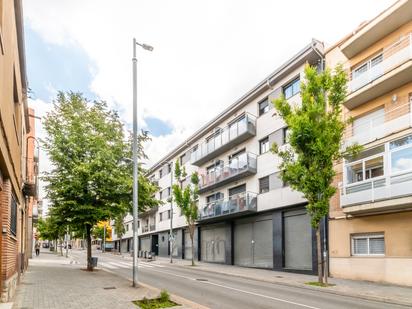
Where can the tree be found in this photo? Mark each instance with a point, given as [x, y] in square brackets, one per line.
[51, 229]
[315, 132]
[120, 229]
[91, 179]
[187, 199]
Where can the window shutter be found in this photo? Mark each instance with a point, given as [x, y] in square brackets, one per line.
[274, 95]
[360, 246]
[377, 245]
[276, 137]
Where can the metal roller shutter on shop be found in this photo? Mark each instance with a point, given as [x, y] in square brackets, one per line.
[298, 240]
[214, 241]
[254, 244]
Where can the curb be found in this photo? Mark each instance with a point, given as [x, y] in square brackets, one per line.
[176, 298]
[319, 289]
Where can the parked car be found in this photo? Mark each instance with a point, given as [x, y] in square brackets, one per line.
[45, 245]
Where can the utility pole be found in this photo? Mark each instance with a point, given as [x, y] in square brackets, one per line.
[67, 241]
[171, 212]
[104, 238]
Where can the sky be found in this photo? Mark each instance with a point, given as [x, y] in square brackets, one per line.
[206, 55]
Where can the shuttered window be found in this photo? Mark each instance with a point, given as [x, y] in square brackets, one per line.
[13, 216]
[368, 244]
[264, 184]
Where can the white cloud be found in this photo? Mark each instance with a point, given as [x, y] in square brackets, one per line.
[207, 53]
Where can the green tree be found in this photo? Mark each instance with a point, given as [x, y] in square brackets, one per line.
[91, 179]
[52, 229]
[119, 229]
[315, 132]
[186, 199]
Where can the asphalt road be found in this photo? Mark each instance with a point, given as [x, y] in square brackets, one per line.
[226, 291]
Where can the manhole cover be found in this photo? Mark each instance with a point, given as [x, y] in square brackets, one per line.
[109, 288]
[201, 279]
[278, 276]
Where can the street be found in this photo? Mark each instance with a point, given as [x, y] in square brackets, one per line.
[226, 291]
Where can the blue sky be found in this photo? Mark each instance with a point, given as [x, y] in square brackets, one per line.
[53, 67]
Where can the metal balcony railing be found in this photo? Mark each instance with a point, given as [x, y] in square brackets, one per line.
[223, 139]
[238, 167]
[392, 56]
[152, 227]
[145, 229]
[378, 127]
[239, 203]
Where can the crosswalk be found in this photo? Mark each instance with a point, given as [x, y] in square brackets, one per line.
[127, 264]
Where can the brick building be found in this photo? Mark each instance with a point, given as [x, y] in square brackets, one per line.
[14, 124]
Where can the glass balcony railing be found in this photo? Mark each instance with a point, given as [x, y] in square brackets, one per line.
[392, 56]
[240, 166]
[391, 121]
[152, 227]
[235, 204]
[225, 138]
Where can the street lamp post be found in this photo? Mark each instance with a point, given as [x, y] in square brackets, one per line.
[171, 238]
[135, 165]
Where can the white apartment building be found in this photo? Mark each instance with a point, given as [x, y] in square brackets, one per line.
[247, 215]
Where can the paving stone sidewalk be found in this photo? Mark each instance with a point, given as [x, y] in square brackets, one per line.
[54, 282]
[362, 289]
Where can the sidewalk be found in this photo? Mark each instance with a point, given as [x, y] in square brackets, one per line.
[57, 282]
[394, 294]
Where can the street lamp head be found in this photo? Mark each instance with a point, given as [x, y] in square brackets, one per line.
[147, 47]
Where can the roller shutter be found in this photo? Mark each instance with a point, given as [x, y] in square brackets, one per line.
[298, 240]
[214, 242]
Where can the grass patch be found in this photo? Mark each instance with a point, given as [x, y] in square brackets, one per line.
[322, 285]
[163, 301]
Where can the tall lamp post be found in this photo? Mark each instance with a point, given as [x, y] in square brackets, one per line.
[135, 166]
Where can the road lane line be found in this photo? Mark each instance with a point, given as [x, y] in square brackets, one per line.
[238, 290]
[108, 265]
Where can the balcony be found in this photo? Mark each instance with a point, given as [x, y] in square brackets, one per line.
[235, 206]
[225, 139]
[391, 69]
[242, 166]
[145, 229]
[392, 121]
[152, 227]
[30, 188]
[379, 182]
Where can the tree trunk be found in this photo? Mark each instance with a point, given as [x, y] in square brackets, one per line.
[120, 245]
[61, 247]
[319, 250]
[191, 233]
[55, 245]
[89, 248]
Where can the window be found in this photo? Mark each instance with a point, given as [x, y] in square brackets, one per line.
[368, 244]
[161, 173]
[127, 227]
[168, 191]
[264, 184]
[264, 145]
[285, 134]
[168, 214]
[365, 169]
[263, 106]
[291, 89]
[160, 195]
[13, 216]
[184, 158]
[169, 168]
[161, 216]
[401, 154]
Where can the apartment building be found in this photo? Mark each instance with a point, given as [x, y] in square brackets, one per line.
[370, 219]
[32, 162]
[13, 125]
[247, 215]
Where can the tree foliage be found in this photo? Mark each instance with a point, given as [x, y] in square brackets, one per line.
[91, 179]
[315, 133]
[187, 199]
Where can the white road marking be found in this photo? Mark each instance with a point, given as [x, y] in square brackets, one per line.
[238, 290]
[107, 265]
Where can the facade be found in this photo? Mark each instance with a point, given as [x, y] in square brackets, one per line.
[14, 125]
[32, 161]
[370, 218]
[247, 215]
